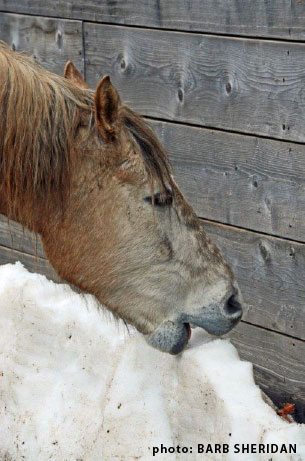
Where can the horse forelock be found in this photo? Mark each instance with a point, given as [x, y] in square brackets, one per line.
[155, 156]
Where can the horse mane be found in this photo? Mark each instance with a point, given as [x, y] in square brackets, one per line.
[40, 115]
[39, 118]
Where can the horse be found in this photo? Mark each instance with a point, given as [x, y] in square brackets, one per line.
[86, 173]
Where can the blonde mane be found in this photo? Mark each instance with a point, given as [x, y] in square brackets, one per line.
[40, 113]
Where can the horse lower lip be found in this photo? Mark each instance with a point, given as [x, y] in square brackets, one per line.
[179, 347]
[171, 337]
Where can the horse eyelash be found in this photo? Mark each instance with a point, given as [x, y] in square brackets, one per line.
[160, 200]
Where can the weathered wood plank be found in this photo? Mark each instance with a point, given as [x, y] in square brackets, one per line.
[13, 235]
[271, 276]
[243, 85]
[278, 18]
[32, 263]
[278, 360]
[245, 181]
[51, 41]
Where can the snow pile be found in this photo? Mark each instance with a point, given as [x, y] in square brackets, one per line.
[76, 386]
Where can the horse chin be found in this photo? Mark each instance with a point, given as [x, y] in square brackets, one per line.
[171, 337]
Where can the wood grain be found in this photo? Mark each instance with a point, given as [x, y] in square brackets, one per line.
[249, 86]
[15, 236]
[271, 276]
[245, 181]
[278, 360]
[32, 263]
[278, 18]
[52, 42]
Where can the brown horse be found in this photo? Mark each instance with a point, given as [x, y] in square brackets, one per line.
[86, 173]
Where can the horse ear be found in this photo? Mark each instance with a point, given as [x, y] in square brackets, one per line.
[107, 102]
[71, 73]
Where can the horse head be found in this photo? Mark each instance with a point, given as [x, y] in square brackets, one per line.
[134, 240]
[112, 219]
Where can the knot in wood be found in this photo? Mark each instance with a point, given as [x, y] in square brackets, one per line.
[180, 94]
[264, 251]
[59, 38]
[228, 87]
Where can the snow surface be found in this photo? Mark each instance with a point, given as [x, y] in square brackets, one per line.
[74, 385]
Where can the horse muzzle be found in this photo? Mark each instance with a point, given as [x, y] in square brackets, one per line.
[217, 320]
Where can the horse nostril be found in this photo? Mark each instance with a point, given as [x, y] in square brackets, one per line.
[232, 307]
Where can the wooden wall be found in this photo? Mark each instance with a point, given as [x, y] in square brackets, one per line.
[223, 85]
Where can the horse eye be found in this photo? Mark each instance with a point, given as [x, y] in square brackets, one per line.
[159, 199]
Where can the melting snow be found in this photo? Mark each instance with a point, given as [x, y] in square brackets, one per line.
[75, 386]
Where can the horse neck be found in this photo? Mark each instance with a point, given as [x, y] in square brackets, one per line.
[33, 216]
[31, 222]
